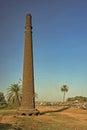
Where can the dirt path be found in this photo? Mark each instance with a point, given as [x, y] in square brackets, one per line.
[70, 119]
[76, 113]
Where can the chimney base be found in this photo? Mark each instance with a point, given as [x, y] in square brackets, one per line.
[28, 112]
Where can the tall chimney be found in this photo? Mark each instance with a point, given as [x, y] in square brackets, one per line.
[28, 99]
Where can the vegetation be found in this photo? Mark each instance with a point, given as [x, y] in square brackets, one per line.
[64, 89]
[2, 100]
[14, 94]
[72, 119]
[78, 98]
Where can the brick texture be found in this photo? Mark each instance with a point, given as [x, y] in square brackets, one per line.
[28, 100]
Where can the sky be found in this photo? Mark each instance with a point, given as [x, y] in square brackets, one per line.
[59, 45]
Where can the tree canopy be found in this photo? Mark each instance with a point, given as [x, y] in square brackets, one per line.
[64, 89]
[14, 94]
[2, 99]
[78, 98]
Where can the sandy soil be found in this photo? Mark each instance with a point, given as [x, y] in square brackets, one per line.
[72, 119]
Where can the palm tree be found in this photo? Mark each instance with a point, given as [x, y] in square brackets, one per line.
[64, 89]
[14, 94]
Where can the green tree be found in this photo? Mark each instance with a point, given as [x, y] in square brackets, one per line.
[78, 98]
[2, 99]
[64, 89]
[14, 94]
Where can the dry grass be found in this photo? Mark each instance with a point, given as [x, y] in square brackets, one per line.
[70, 119]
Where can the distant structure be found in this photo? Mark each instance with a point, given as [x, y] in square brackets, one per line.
[28, 99]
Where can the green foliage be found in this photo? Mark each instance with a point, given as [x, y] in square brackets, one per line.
[2, 101]
[2, 98]
[78, 98]
[64, 89]
[14, 94]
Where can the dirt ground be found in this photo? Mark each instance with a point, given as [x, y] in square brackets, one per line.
[69, 119]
